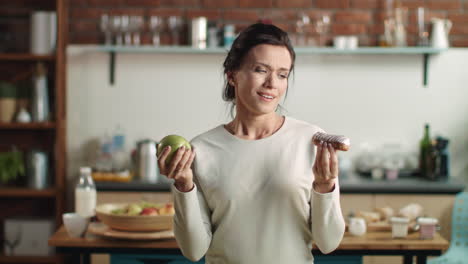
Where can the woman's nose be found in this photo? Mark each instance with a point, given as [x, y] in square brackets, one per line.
[271, 81]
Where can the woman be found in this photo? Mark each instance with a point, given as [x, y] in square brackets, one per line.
[259, 191]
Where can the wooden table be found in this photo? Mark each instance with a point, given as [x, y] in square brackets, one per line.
[373, 243]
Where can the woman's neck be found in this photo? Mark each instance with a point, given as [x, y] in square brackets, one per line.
[255, 127]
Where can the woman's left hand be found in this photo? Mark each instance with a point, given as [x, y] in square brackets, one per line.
[325, 168]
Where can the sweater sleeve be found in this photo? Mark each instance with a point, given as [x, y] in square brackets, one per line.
[192, 225]
[327, 221]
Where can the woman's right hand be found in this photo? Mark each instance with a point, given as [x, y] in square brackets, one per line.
[179, 168]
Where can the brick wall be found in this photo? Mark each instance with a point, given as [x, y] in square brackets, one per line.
[360, 17]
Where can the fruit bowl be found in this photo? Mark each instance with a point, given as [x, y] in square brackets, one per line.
[140, 223]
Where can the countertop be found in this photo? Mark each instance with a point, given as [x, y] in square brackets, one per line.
[370, 241]
[355, 183]
[351, 183]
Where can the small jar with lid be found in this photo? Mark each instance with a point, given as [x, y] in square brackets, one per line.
[427, 227]
[399, 227]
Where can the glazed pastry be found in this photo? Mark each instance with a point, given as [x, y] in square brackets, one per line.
[338, 142]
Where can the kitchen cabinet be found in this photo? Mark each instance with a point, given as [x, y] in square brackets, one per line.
[18, 201]
[426, 52]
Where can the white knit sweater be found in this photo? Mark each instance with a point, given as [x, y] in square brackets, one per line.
[253, 200]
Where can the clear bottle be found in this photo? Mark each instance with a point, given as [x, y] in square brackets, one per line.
[85, 194]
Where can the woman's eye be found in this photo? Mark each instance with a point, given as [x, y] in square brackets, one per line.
[260, 70]
[283, 76]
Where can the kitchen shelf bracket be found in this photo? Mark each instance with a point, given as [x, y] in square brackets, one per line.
[425, 65]
[112, 67]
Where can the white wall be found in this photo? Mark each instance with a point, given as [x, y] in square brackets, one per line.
[370, 98]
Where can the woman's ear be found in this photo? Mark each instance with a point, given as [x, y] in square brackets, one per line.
[230, 78]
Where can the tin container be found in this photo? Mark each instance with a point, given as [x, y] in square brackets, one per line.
[198, 32]
[40, 98]
[37, 170]
[146, 161]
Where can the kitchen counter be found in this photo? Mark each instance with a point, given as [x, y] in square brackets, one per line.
[352, 183]
[404, 185]
[372, 243]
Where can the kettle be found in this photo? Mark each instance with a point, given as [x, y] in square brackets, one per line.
[440, 32]
[146, 163]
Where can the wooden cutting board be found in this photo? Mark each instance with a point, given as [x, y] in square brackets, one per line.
[383, 226]
[103, 230]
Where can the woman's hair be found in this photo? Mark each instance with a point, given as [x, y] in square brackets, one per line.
[250, 37]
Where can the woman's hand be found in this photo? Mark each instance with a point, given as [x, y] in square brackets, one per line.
[325, 168]
[179, 168]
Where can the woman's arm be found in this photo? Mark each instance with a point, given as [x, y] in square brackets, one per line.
[192, 225]
[327, 222]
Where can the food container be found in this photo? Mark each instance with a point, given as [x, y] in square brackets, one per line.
[399, 227]
[427, 227]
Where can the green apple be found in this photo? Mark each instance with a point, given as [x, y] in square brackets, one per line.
[175, 142]
[134, 209]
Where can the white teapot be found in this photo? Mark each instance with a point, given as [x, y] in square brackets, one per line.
[357, 226]
[440, 33]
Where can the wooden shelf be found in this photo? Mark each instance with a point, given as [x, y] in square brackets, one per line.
[32, 126]
[26, 192]
[30, 259]
[77, 49]
[25, 57]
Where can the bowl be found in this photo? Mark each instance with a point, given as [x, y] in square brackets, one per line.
[75, 224]
[139, 223]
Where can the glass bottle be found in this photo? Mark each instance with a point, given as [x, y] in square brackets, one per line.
[85, 194]
[425, 150]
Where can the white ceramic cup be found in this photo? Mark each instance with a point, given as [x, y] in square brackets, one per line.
[339, 42]
[357, 226]
[75, 224]
[352, 42]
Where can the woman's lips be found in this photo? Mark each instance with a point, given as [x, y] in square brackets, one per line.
[266, 97]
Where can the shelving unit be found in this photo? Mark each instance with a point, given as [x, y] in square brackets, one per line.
[113, 50]
[26, 126]
[26, 192]
[28, 260]
[19, 201]
[25, 57]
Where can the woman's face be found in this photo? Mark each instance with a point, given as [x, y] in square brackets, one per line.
[262, 79]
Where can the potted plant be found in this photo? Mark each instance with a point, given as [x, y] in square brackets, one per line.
[7, 101]
[11, 167]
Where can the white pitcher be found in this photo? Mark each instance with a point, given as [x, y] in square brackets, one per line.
[440, 32]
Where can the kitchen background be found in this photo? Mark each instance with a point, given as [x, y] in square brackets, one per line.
[373, 99]
[377, 100]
